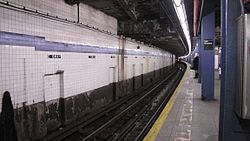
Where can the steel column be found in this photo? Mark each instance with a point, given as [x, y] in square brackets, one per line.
[207, 56]
[231, 128]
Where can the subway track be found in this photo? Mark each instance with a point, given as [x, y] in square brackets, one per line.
[130, 118]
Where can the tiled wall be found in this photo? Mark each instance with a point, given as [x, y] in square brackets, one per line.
[92, 17]
[29, 75]
[16, 75]
[23, 73]
[20, 22]
[24, 70]
[88, 15]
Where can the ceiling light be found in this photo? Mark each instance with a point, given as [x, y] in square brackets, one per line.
[181, 13]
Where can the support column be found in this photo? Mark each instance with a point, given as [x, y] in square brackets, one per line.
[231, 127]
[207, 56]
[199, 51]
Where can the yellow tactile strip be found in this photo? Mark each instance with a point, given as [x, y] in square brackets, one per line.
[163, 116]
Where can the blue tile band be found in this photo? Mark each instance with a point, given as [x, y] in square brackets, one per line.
[40, 44]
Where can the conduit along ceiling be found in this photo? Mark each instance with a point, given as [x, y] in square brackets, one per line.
[154, 22]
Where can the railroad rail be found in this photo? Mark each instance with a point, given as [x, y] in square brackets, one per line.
[128, 119]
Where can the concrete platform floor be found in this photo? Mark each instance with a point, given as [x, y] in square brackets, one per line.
[192, 119]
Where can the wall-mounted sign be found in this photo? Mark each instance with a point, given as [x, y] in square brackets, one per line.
[54, 56]
[208, 44]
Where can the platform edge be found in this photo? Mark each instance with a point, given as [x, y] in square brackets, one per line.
[153, 132]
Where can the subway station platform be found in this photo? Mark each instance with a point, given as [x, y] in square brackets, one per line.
[187, 117]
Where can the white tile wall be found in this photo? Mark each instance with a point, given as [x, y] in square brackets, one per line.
[22, 68]
[12, 74]
[51, 87]
[23, 72]
[52, 7]
[53, 30]
[96, 18]
[88, 15]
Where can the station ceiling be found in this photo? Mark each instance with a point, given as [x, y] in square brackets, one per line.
[153, 22]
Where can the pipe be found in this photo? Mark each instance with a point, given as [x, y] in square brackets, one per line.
[78, 12]
[242, 7]
[195, 16]
[200, 16]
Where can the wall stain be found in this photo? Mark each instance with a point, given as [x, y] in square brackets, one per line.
[35, 121]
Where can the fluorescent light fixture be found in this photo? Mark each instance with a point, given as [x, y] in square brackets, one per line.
[181, 13]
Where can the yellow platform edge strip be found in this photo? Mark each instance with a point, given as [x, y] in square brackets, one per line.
[153, 132]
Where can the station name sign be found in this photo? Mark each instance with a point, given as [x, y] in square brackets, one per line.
[54, 56]
[208, 44]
